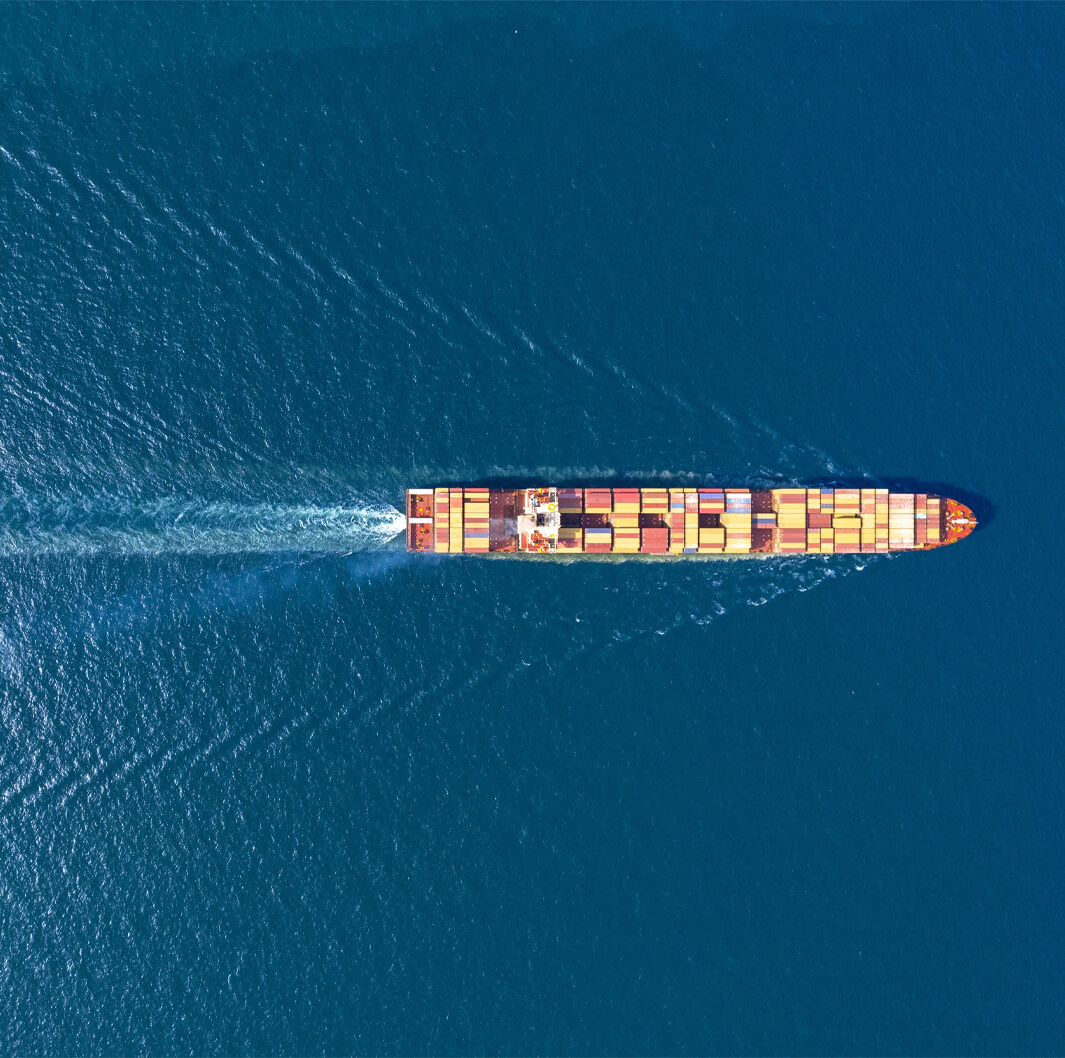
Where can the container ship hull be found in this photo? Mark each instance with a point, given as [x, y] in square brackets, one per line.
[549, 520]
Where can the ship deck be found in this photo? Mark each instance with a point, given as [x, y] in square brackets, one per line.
[502, 520]
[684, 521]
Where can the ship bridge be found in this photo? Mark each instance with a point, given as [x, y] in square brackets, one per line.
[539, 521]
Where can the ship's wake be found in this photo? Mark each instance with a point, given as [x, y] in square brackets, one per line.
[181, 526]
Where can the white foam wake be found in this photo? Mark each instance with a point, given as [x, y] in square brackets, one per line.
[191, 527]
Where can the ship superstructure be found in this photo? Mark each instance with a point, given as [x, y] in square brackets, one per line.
[549, 520]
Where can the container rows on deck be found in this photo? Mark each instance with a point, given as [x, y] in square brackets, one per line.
[460, 520]
[660, 521]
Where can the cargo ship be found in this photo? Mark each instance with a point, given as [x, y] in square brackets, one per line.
[549, 520]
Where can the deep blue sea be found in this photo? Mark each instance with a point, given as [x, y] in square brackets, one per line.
[268, 785]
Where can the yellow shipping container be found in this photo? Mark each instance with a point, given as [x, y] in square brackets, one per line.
[736, 520]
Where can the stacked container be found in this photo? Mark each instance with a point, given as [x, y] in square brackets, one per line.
[627, 534]
[934, 520]
[571, 501]
[819, 507]
[868, 519]
[691, 521]
[824, 521]
[712, 539]
[882, 519]
[455, 529]
[711, 501]
[654, 540]
[571, 540]
[813, 520]
[654, 501]
[597, 501]
[848, 532]
[737, 520]
[441, 520]
[626, 528]
[900, 520]
[791, 505]
[920, 524]
[676, 521]
[847, 520]
[475, 520]
[597, 540]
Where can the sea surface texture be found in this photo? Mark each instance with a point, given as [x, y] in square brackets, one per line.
[268, 785]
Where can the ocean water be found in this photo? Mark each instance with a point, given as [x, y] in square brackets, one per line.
[270, 786]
